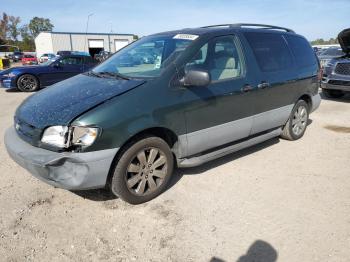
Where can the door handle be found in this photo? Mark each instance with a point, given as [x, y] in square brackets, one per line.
[263, 85]
[246, 88]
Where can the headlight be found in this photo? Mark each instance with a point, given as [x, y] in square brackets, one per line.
[329, 63]
[63, 136]
[56, 136]
[10, 75]
[323, 62]
[84, 136]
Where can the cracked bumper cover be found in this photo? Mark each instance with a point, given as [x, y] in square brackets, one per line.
[68, 170]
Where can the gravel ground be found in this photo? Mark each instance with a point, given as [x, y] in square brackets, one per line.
[281, 200]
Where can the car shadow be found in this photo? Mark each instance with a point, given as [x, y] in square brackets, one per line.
[105, 194]
[344, 99]
[12, 90]
[97, 195]
[259, 251]
[180, 172]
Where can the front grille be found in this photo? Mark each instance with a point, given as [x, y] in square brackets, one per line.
[342, 69]
[27, 132]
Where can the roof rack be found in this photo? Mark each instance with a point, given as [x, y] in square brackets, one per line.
[262, 26]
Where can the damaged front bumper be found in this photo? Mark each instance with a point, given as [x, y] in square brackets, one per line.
[68, 170]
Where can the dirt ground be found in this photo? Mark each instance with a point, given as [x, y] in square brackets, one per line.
[278, 201]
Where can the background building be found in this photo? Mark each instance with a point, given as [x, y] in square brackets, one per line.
[51, 42]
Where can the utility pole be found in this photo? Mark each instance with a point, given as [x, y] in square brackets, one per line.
[86, 31]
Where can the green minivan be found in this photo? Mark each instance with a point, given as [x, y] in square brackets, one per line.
[173, 99]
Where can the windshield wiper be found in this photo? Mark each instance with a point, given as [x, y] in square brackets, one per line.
[92, 73]
[114, 74]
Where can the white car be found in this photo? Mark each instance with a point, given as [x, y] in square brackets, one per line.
[47, 57]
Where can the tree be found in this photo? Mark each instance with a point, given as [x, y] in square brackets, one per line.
[27, 38]
[321, 41]
[13, 27]
[4, 26]
[39, 24]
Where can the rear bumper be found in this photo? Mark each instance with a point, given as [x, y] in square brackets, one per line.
[316, 101]
[68, 170]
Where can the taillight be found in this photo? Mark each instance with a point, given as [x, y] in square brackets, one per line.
[319, 75]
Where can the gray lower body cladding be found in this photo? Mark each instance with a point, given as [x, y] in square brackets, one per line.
[250, 131]
[72, 171]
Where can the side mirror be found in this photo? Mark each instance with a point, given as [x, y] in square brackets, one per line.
[196, 78]
[57, 65]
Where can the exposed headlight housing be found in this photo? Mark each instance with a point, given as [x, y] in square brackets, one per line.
[64, 137]
[84, 136]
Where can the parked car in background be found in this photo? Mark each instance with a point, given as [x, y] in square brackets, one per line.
[326, 55]
[210, 91]
[16, 56]
[336, 74]
[102, 55]
[32, 78]
[63, 53]
[47, 57]
[29, 60]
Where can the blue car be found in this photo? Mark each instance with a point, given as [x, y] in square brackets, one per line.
[32, 78]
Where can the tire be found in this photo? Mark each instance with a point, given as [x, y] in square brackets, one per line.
[296, 125]
[140, 174]
[332, 93]
[27, 83]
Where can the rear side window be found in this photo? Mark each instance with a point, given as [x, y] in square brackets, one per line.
[303, 53]
[270, 50]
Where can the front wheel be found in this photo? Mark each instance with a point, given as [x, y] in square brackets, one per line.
[297, 122]
[143, 171]
[27, 83]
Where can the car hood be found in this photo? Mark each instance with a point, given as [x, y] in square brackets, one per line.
[344, 40]
[63, 102]
[33, 68]
[321, 57]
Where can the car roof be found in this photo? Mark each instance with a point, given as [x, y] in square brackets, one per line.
[74, 55]
[229, 28]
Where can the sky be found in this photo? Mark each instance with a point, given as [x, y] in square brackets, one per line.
[311, 18]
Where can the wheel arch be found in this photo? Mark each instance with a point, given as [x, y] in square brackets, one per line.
[307, 98]
[169, 136]
[32, 74]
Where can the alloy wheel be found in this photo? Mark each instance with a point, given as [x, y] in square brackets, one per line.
[146, 171]
[27, 83]
[299, 120]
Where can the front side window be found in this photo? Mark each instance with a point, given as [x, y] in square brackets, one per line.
[220, 57]
[270, 50]
[71, 61]
[144, 58]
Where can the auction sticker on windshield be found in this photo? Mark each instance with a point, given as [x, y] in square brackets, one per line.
[186, 37]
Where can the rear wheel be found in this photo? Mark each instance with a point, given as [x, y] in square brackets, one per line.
[297, 122]
[27, 83]
[333, 93]
[143, 171]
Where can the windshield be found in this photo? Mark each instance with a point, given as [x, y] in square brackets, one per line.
[48, 62]
[144, 58]
[333, 52]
